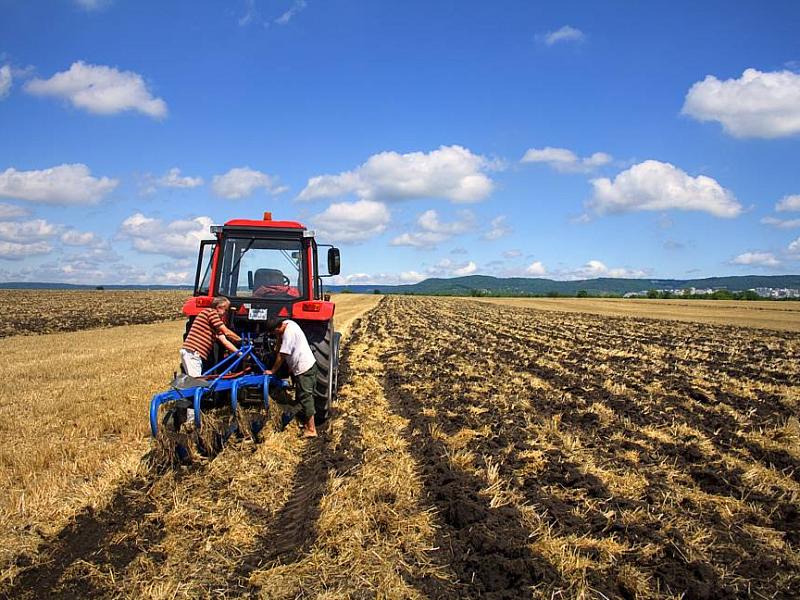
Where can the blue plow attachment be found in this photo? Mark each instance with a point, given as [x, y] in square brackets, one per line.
[223, 382]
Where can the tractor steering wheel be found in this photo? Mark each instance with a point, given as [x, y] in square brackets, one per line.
[286, 281]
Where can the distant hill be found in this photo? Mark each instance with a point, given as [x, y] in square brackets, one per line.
[27, 285]
[459, 286]
[602, 285]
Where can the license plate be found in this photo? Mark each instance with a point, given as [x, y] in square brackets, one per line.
[257, 314]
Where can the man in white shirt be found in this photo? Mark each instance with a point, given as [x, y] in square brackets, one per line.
[294, 349]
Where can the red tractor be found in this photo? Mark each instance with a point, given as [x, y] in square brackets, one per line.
[266, 269]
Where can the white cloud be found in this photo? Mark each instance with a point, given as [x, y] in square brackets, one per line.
[432, 231]
[17, 251]
[12, 211]
[174, 277]
[344, 222]
[788, 203]
[781, 223]
[73, 237]
[536, 268]
[512, 253]
[287, 16]
[250, 15]
[467, 269]
[411, 277]
[794, 247]
[100, 90]
[564, 34]
[451, 172]
[654, 185]
[758, 104]
[760, 259]
[566, 161]
[595, 268]
[241, 182]
[6, 81]
[27, 231]
[497, 229]
[92, 5]
[174, 179]
[64, 184]
[178, 239]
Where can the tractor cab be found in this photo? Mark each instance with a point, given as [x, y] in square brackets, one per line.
[266, 268]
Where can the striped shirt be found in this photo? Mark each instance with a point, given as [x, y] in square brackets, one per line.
[203, 332]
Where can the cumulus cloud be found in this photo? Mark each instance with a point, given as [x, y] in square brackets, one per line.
[12, 211]
[411, 277]
[788, 203]
[566, 161]
[174, 179]
[27, 231]
[564, 34]
[497, 229]
[536, 268]
[451, 172]
[287, 16]
[6, 81]
[347, 222]
[781, 223]
[241, 182]
[794, 247]
[100, 90]
[178, 239]
[18, 251]
[64, 184]
[73, 237]
[758, 104]
[654, 185]
[595, 268]
[757, 259]
[432, 231]
[467, 269]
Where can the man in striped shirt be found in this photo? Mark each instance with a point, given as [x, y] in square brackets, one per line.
[208, 327]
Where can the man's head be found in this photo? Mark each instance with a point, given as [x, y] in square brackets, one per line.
[274, 324]
[221, 304]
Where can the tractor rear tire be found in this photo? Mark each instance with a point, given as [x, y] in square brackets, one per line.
[326, 350]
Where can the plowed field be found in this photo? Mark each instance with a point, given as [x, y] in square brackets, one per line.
[480, 451]
[50, 311]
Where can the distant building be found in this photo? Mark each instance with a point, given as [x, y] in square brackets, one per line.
[767, 292]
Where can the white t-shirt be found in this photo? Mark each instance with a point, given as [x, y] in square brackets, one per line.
[294, 346]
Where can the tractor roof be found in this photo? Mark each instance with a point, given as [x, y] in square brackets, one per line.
[267, 224]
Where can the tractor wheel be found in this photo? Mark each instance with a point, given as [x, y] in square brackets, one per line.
[326, 351]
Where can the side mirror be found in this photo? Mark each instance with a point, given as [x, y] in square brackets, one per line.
[334, 261]
[250, 280]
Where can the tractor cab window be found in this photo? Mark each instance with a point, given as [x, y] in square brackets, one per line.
[202, 280]
[261, 268]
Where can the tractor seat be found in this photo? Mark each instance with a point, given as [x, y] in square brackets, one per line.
[272, 282]
[268, 277]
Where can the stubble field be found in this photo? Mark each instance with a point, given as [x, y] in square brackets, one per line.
[478, 450]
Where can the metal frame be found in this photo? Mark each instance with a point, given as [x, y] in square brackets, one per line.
[219, 384]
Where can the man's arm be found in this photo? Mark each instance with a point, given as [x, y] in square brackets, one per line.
[226, 342]
[230, 333]
[277, 365]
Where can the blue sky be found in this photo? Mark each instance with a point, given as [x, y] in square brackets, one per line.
[563, 140]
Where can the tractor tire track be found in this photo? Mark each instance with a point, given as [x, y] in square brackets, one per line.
[291, 531]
